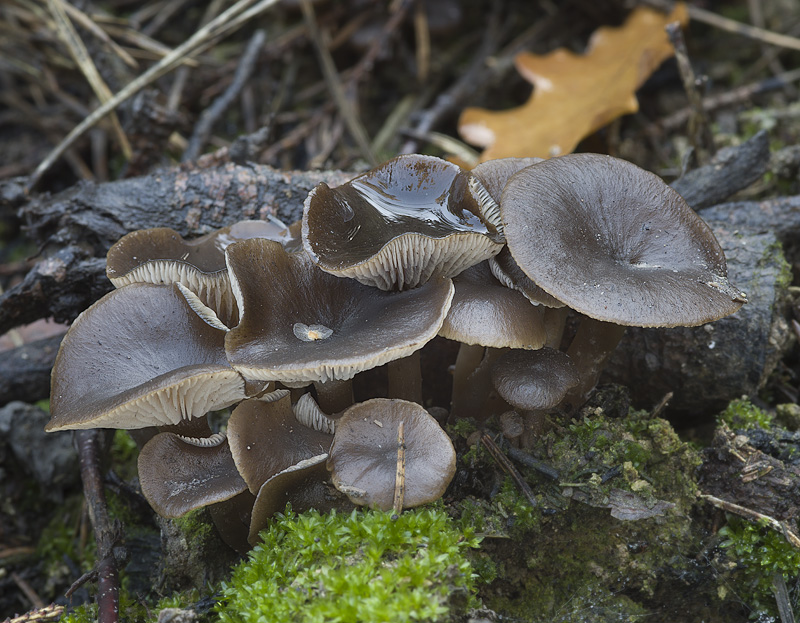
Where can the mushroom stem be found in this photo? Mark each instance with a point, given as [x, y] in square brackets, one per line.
[591, 347]
[467, 361]
[555, 319]
[405, 378]
[334, 396]
[535, 425]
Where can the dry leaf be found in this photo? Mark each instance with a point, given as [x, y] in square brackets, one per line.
[575, 95]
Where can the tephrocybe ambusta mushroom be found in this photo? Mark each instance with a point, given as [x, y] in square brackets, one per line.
[399, 224]
[616, 244]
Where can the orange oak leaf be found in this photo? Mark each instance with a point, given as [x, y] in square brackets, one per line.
[575, 94]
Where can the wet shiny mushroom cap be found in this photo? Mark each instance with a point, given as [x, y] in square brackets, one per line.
[181, 474]
[614, 242]
[302, 324]
[140, 357]
[399, 224]
[363, 458]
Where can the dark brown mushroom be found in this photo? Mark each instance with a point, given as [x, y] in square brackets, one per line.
[398, 225]
[266, 438]
[363, 458]
[368, 327]
[140, 357]
[617, 244]
[304, 486]
[181, 474]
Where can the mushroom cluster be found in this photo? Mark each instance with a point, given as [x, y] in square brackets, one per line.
[278, 321]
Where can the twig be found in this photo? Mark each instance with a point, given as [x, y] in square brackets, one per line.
[346, 109]
[212, 114]
[753, 32]
[400, 473]
[529, 461]
[735, 96]
[782, 598]
[747, 513]
[662, 404]
[87, 442]
[699, 130]
[509, 468]
[203, 38]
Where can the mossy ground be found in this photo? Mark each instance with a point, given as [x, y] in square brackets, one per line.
[362, 567]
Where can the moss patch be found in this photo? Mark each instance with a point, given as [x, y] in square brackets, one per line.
[364, 566]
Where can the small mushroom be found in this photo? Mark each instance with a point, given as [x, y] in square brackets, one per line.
[140, 357]
[305, 485]
[266, 438]
[398, 225]
[181, 474]
[533, 382]
[363, 458]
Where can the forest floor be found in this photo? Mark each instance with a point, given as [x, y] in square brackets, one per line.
[650, 517]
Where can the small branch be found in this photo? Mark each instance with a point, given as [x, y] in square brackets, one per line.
[779, 526]
[211, 115]
[87, 442]
[699, 129]
[753, 32]
[400, 473]
[39, 615]
[509, 468]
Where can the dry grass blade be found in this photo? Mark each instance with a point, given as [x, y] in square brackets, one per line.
[334, 83]
[729, 25]
[81, 56]
[205, 36]
[87, 22]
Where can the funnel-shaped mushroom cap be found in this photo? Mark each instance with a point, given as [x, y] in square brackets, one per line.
[265, 438]
[161, 255]
[614, 242]
[303, 324]
[399, 224]
[305, 485]
[487, 313]
[181, 474]
[533, 380]
[140, 357]
[363, 458]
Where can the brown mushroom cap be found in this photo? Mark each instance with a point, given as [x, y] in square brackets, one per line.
[140, 357]
[614, 242]
[180, 474]
[399, 224]
[369, 327]
[533, 380]
[265, 438]
[486, 312]
[363, 458]
[305, 485]
[161, 255]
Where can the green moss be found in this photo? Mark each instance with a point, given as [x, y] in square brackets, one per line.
[196, 526]
[760, 553]
[60, 540]
[364, 566]
[124, 455]
[136, 610]
[743, 414]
